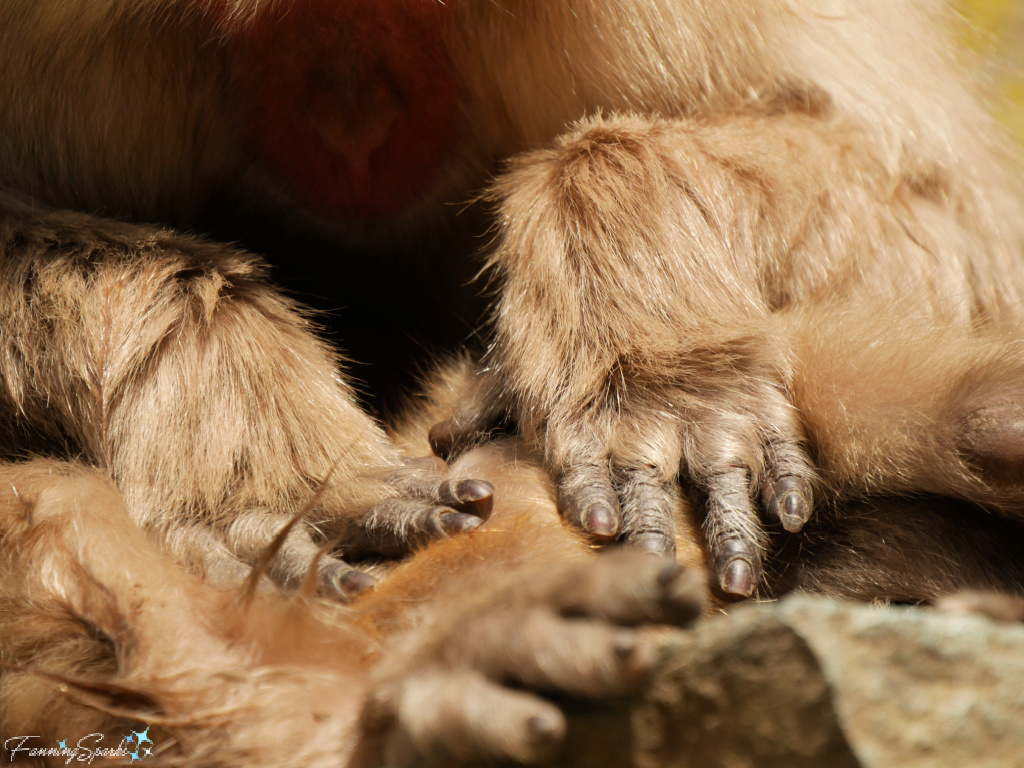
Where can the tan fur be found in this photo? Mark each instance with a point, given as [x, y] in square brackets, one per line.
[795, 260]
[103, 632]
[750, 259]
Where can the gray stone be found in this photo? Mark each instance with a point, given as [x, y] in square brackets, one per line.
[823, 684]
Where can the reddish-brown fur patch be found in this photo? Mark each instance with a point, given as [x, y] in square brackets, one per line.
[353, 103]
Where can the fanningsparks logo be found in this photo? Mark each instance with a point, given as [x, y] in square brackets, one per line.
[135, 745]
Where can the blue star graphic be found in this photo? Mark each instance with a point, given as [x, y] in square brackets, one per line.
[63, 745]
[128, 738]
[143, 736]
[134, 756]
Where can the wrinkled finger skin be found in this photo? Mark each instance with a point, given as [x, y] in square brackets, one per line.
[425, 504]
[474, 691]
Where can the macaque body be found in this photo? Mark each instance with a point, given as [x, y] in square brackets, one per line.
[756, 285]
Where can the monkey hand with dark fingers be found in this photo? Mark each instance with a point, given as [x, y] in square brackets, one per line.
[469, 694]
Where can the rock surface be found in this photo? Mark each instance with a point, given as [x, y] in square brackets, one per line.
[810, 682]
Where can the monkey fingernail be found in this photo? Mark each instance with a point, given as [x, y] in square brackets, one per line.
[738, 579]
[794, 512]
[473, 496]
[653, 543]
[600, 522]
[458, 522]
[341, 582]
[476, 497]
[473, 490]
[443, 438]
[788, 501]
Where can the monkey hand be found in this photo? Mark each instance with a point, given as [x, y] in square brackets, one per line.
[456, 694]
[409, 505]
[620, 460]
[418, 502]
[635, 347]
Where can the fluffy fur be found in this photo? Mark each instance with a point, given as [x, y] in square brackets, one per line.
[756, 266]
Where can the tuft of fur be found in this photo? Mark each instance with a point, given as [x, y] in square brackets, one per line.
[752, 260]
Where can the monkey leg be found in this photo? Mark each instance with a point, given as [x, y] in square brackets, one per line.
[642, 264]
[896, 400]
[171, 363]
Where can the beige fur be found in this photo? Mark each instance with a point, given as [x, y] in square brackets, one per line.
[751, 261]
[104, 633]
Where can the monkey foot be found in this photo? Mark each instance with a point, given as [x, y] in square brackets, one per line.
[460, 697]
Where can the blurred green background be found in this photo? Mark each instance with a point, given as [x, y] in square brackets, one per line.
[995, 30]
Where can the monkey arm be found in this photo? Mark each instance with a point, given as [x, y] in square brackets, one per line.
[706, 300]
[637, 338]
[170, 363]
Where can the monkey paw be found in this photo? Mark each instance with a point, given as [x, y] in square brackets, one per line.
[465, 694]
[419, 503]
[732, 441]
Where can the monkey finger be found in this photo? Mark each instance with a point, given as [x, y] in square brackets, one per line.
[423, 504]
[399, 525]
[648, 510]
[460, 717]
[474, 497]
[341, 581]
[588, 501]
[787, 496]
[427, 479]
[453, 436]
[734, 534]
[577, 656]
[788, 500]
[629, 588]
